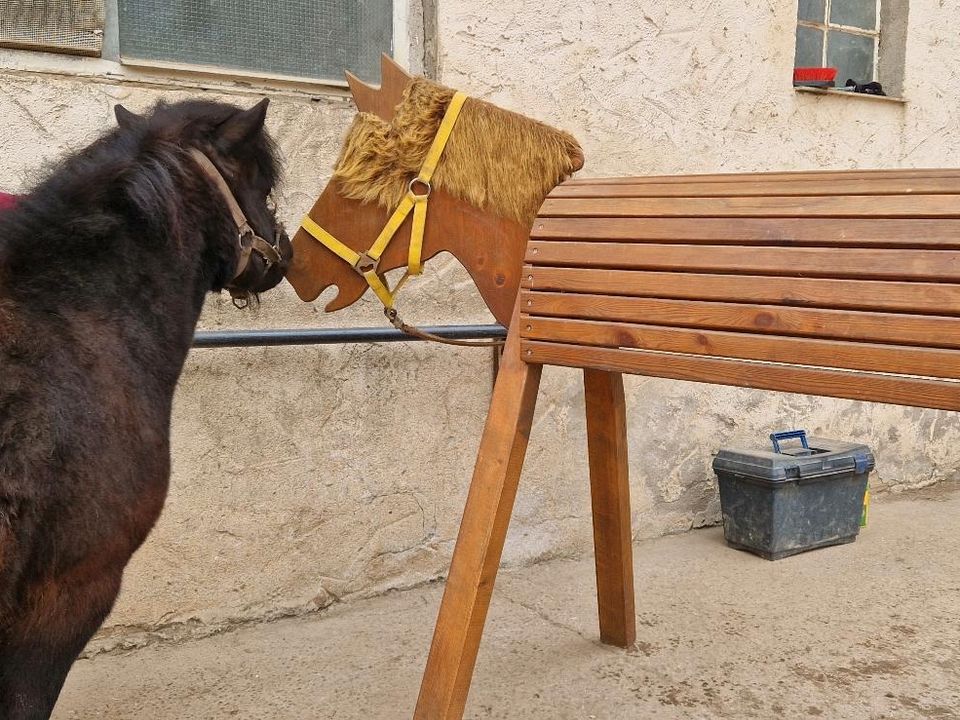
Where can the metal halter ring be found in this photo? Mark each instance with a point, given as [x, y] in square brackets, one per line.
[425, 183]
[244, 231]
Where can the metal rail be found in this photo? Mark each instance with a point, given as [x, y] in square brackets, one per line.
[333, 336]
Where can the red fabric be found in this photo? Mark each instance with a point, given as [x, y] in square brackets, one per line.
[7, 201]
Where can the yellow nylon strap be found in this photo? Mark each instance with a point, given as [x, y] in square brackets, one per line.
[414, 255]
[443, 134]
[329, 241]
[390, 229]
[429, 166]
[352, 257]
[379, 288]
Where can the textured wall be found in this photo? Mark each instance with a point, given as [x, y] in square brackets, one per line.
[702, 86]
[302, 475]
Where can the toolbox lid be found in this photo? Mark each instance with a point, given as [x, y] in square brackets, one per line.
[818, 458]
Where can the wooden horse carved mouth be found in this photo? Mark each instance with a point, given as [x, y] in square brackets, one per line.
[492, 175]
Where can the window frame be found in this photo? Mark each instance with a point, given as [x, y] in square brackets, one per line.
[406, 40]
[131, 58]
[94, 51]
[826, 26]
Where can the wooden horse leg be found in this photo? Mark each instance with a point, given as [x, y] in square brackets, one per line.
[476, 557]
[610, 498]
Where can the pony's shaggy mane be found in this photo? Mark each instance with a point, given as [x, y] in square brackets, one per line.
[496, 160]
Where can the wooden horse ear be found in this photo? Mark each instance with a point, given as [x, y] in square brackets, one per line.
[126, 119]
[381, 101]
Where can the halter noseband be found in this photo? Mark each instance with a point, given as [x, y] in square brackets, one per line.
[367, 263]
[247, 238]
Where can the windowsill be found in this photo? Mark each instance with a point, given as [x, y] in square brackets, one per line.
[165, 75]
[849, 94]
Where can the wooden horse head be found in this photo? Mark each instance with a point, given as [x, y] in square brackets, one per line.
[491, 178]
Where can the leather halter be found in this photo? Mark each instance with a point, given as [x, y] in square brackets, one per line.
[247, 239]
[367, 263]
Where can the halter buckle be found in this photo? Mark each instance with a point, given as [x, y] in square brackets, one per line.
[365, 263]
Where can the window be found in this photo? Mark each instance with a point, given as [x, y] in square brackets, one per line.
[844, 34]
[297, 38]
[284, 39]
[66, 26]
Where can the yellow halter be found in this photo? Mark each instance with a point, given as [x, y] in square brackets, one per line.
[367, 263]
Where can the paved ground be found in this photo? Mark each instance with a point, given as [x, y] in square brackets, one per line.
[864, 631]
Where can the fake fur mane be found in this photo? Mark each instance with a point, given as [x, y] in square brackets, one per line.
[496, 160]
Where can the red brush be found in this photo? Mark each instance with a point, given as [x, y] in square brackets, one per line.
[814, 76]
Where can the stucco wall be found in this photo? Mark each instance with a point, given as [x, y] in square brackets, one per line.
[304, 475]
[704, 86]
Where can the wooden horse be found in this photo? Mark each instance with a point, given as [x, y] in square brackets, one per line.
[490, 179]
[841, 284]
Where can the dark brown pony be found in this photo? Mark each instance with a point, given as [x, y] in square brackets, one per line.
[104, 267]
[492, 178]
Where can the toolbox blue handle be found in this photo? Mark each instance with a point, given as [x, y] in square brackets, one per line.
[800, 435]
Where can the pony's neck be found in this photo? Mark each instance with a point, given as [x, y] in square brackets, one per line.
[98, 267]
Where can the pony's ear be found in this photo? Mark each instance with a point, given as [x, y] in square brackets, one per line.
[126, 119]
[243, 124]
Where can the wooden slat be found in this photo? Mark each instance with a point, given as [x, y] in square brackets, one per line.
[918, 297]
[924, 330]
[788, 176]
[882, 186]
[898, 264]
[918, 392]
[931, 206]
[905, 360]
[755, 231]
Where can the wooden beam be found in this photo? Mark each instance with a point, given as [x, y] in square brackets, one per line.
[889, 328]
[895, 359]
[872, 295]
[854, 263]
[894, 206]
[476, 557]
[916, 392]
[864, 232]
[610, 504]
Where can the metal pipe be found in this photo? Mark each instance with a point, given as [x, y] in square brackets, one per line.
[328, 336]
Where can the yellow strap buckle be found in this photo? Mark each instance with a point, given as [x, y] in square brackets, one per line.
[364, 263]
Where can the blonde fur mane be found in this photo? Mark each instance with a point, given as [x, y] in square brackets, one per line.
[496, 160]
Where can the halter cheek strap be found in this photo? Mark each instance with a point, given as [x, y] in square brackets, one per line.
[367, 263]
[247, 239]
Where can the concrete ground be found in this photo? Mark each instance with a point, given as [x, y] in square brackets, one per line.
[869, 630]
